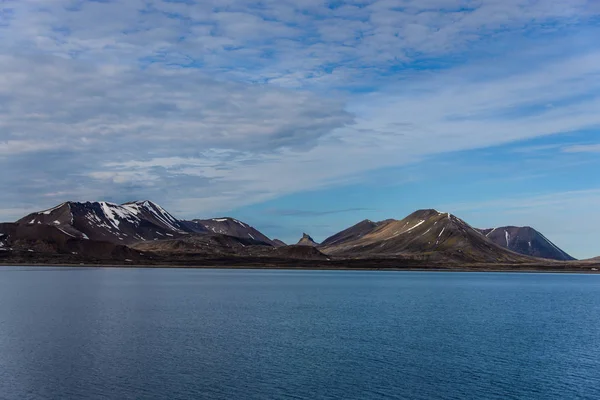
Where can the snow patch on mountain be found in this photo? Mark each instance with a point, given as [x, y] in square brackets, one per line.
[417, 225]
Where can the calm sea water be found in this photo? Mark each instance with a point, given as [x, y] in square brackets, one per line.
[232, 334]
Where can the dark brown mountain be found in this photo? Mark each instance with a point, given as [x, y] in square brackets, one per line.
[208, 244]
[50, 239]
[306, 240]
[527, 241]
[425, 234]
[227, 226]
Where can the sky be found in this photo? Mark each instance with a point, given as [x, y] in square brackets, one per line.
[307, 115]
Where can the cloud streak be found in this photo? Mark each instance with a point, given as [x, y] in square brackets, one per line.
[311, 213]
[582, 148]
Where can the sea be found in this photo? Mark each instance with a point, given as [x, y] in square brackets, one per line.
[111, 333]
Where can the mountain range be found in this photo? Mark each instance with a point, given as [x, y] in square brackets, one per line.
[142, 230]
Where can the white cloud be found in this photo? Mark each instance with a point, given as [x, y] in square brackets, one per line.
[51, 97]
[300, 39]
[93, 96]
[12, 147]
[582, 148]
[222, 145]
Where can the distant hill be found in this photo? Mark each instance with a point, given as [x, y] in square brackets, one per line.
[218, 245]
[227, 226]
[526, 240]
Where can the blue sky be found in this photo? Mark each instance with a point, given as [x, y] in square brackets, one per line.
[307, 115]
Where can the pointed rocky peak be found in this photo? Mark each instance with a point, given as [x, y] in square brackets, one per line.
[306, 240]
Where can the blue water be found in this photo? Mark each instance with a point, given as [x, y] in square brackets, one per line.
[233, 334]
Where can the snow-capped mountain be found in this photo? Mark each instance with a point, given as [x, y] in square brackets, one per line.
[104, 221]
[134, 222]
[526, 240]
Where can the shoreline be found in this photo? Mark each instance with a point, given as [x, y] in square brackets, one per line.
[528, 269]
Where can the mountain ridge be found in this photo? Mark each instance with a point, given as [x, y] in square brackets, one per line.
[426, 232]
[144, 226]
[133, 221]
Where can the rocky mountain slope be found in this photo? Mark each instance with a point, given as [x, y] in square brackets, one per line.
[306, 240]
[50, 239]
[426, 234]
[527, 241]
[354, 232]
[279, 243]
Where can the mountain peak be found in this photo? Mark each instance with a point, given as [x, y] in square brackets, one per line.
[306, 240]
[146, 203]
[428, 213]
